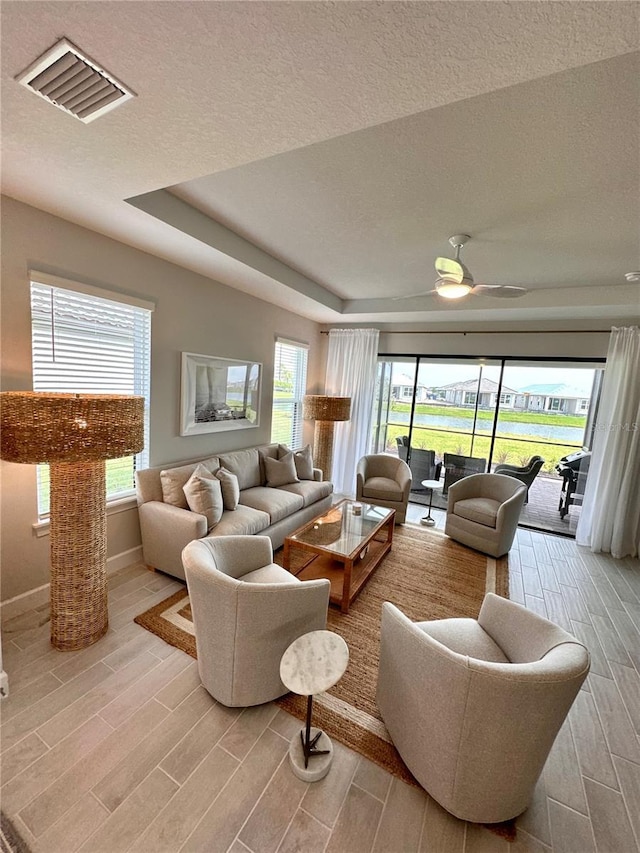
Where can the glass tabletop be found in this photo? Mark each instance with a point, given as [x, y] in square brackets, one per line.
[344, 528]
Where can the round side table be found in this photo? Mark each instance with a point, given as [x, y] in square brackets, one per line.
[427, 520]
[312, 664]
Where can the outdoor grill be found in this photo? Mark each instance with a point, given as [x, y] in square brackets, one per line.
[573, 469]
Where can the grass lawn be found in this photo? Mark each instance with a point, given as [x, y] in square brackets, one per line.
[547, 418]
[514, 451]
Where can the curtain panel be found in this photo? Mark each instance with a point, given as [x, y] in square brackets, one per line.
[352, 362]
[610, 517]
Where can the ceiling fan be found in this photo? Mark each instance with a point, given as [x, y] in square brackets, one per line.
[455, 281]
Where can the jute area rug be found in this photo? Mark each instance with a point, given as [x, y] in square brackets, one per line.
[426, 574]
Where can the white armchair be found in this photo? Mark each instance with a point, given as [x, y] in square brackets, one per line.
[384, 480]
[483, 511]
[246, 612]
[473, 707]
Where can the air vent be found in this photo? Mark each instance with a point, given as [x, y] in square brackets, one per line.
[71, 81]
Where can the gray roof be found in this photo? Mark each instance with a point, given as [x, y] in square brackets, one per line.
[487, 386]
[556, 389]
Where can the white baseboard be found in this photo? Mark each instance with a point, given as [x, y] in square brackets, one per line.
[40, 595]
[124, 559]
[19, 604]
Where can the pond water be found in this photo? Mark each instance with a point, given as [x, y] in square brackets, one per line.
[548, 432]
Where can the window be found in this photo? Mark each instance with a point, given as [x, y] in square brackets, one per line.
[289, 384]
[556, 404]
[470, 398]
[505, 399]
[89, 341]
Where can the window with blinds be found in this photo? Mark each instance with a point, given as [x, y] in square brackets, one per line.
[86, 343]
[289, 385]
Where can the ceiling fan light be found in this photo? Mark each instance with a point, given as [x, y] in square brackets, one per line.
[452, 289]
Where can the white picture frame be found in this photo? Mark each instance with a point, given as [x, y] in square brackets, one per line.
[218, 394]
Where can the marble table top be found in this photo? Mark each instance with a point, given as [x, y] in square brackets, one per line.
[433, 484]
[314, 662]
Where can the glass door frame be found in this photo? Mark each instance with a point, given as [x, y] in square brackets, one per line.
[383, 417]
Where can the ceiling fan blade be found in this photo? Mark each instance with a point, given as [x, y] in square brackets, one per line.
[502, 291]
[450, 268]
[413, 295]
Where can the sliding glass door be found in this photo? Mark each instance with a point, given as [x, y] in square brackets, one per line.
[452, 417]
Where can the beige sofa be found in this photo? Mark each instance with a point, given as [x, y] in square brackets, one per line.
[167, 524]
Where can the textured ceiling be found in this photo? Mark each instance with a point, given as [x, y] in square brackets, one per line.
[338, 145]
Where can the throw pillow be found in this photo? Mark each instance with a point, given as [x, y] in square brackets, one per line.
[280, 472]
[302, 458]
[230, 488]
[203, 492]
[304, 463]
[172, 480]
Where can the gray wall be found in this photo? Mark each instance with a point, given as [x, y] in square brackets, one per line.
[192, 314]
[570, 344]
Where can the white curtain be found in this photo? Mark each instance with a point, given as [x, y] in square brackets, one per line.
[610, 517]
[352, 362]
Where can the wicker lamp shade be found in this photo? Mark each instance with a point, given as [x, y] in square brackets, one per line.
[43, 427]
[325, 411]
[74, 433]
[316, 407]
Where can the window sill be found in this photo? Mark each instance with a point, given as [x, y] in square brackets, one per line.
[122, 504]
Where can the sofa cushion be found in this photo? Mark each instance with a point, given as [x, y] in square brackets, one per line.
[276, 502]
[245, 464]
[204, 495]
[382, 488]
[302, 458]
[309, 490]
[280, 472]
[481, 510]
[174, 479]
[244, 521]
[230, 488]
[269, 574]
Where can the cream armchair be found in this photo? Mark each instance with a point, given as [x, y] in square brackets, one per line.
[473, 707]
[246, 612]
[483, 512]
[385, 481]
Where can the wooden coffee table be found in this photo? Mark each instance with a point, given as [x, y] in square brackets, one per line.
[345, 546]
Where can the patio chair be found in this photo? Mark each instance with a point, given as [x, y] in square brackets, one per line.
[456, 467]
[526, 473]
[422, 463]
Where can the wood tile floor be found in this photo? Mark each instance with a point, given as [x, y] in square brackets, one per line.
[118, 747]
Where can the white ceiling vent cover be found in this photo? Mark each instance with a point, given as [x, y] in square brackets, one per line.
[68, 79]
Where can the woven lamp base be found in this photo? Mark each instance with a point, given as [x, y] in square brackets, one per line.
[323, 447]
[78, 528]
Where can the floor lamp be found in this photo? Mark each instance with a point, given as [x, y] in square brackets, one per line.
[75, 434]
[325, 411]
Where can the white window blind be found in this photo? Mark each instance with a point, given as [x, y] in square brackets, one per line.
[289, 384]
[87, 344]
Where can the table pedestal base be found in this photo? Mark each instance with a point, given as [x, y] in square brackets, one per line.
[427, 520]
[319, 762]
